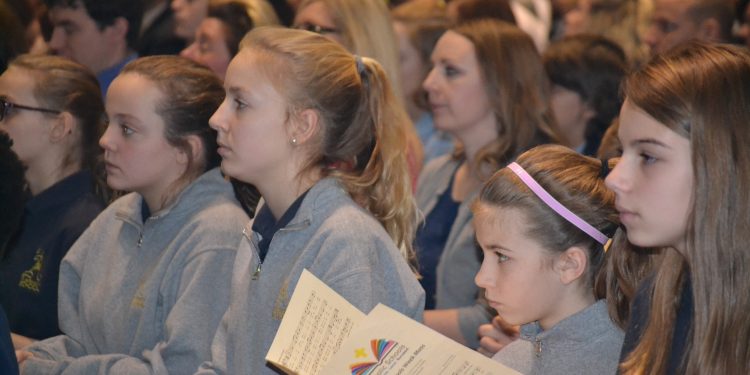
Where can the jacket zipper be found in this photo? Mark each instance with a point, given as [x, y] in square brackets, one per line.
[256, 273]
[538, 348]
[143, 231]
[258, 268]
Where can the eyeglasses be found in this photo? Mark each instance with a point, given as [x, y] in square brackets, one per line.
[317, 28]
[7, 106]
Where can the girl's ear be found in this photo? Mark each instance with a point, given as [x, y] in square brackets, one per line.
[571, 264]
[196, 148]
[306, 126]
[63, 126]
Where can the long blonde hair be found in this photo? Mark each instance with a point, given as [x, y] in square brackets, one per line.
[360, 143]
[702, 92]
[366, 29]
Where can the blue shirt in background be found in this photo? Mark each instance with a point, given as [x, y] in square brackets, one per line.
[430, 242]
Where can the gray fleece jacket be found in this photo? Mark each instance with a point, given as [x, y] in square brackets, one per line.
[336, 240]
[459, 262]
[146, 298]
[586, 343]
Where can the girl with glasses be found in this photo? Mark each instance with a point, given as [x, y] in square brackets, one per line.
[145, 286]
[52, 110]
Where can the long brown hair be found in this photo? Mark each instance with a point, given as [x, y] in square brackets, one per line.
[702, 92]
[360, 143]
[517, 87]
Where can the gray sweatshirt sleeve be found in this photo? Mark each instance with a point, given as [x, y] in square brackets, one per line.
[218, 363]
[469, 320]
[192, 320]
[368, 270]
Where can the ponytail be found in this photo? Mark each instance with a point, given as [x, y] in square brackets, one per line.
[379, 180]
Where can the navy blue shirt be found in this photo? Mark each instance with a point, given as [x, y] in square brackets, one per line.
[430, 241]
[267, 226]
[8, 362]
[639, 312]
[53, 220]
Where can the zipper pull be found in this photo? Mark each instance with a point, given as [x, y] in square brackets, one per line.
[256, 274]
[253, 240]
[140, 239]
[538, 348]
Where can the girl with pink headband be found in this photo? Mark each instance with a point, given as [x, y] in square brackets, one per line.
[544, 224]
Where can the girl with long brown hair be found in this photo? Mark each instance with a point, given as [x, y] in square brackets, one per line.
[680, 185]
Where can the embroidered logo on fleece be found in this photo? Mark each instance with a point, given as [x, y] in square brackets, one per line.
[282, 302]
[139, 300]
[31, 279]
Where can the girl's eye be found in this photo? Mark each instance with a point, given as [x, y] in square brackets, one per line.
[450, 71]
[501, 258]
[126, 131]
[238, 104]
[647, 159]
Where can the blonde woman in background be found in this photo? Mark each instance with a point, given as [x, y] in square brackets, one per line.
[364, 28]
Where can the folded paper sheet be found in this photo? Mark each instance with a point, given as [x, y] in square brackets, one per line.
[322, 333]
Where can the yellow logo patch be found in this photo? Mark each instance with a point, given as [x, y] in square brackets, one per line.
[282, 301]
[31, 279]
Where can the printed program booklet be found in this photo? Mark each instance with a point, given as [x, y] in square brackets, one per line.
[322, 333]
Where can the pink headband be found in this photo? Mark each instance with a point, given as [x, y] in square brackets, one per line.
[557, 206]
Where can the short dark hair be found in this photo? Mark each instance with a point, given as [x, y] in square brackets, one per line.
[593, 67]
[11, 191]
[12, 41]
[105, 12]
[236, 21]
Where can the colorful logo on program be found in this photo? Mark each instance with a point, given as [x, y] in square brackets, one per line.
[380, 349]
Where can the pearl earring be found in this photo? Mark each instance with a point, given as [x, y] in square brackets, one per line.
[294, 141]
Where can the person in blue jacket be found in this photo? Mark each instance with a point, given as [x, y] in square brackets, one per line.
[52, 110]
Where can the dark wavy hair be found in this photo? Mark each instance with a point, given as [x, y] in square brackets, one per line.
[592, 67]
